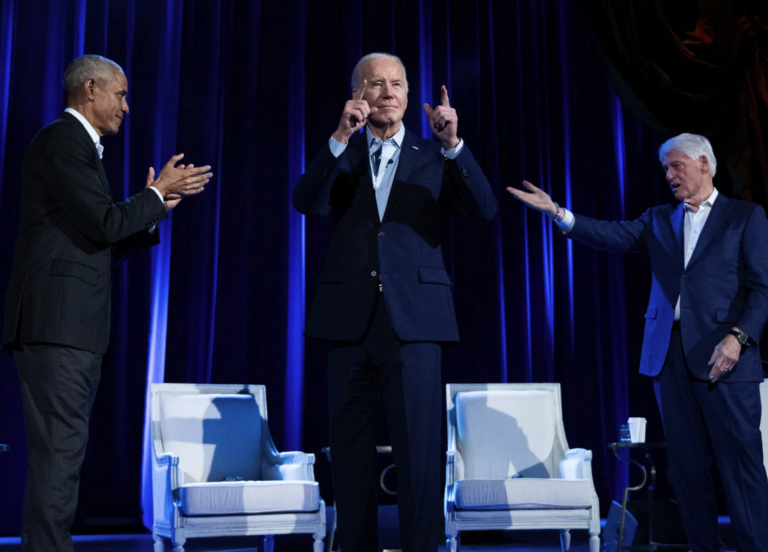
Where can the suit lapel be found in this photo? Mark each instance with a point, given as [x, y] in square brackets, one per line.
[102, 174]
[86, 139]
[357, 153]
[677, 221]
[408, 157]
[715, 220]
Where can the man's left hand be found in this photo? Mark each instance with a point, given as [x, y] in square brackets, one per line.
[171, 200]
[444, 121]
[724, 358]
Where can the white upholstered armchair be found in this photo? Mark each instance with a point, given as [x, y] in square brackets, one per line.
[216, 471]
[508, 464]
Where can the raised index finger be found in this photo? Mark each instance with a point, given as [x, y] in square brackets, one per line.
[361, 92]
[444, 97]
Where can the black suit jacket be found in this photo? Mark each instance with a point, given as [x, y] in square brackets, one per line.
[70, 233]
[403, 251]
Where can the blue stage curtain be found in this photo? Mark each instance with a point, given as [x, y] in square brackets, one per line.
[255, 89]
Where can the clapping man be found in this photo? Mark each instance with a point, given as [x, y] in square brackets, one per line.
[384, 297]
[58, 304]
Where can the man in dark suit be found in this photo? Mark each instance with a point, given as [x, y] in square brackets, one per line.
[57, 309]
[384, 297]
[708, 306]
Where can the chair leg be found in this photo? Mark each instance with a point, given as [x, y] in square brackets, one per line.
[594, 543]
[158, 541]
[565, 540]
[269, 543]
[318, 545]
[178, 538]
[453, 543]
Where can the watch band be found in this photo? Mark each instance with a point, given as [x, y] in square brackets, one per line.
[742, 338]
[558, 216]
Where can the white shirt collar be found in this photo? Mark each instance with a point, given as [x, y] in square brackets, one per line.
[709, 202]
[91, 131]
[398, 137]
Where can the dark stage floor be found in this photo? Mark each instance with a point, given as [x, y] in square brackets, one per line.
[496, 541]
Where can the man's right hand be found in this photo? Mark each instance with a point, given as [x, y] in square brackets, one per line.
[535, 199]
[182, 180]
[355, 115]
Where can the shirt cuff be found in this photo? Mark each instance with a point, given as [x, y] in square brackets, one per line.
[159, 194]
[566, 224]
[336, 148]
[453, 153]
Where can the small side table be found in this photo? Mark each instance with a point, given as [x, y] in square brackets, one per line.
[4, 448]
[647, 447]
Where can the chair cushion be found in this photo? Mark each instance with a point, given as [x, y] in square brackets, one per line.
[249, 497]
[521, 493]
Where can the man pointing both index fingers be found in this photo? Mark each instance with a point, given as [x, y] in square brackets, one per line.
[383, 300]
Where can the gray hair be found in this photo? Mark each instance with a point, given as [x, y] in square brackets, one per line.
[692, 145]
[357, 79]
[89, 67]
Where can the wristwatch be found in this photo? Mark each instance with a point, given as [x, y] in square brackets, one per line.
[742, 337]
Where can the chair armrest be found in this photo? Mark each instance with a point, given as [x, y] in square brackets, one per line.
[166, 480]
[167, 459]
[577, 464]
[450, 467]
[296, 457]
[450, 457]
[288, 466]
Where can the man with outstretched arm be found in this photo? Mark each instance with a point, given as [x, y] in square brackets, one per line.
[708, 306]
[384, 297]
[58, 304]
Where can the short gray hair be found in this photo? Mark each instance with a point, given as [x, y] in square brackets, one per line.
[357, 79]
[692, 145]
[89, 67]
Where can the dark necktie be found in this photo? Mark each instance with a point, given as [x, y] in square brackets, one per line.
[376, 159]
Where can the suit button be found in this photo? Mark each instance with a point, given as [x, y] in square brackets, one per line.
[381, 234]
[685, 276]
[373, 273]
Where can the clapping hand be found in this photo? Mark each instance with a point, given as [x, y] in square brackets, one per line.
[171, 200]
[181, 180]
[355, 115]
[535, 198]
[444, 121]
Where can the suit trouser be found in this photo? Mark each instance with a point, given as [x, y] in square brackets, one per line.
[58, 387]
[721, 421]
[404, 380]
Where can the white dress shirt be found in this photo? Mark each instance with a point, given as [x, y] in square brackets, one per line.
[390, 157]
[693, 226]
[97, 142]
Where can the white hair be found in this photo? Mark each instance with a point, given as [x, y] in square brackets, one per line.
[692, 145]
[357, 78]
[89, 67]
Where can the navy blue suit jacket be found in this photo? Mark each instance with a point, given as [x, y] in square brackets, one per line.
[724, 285]
[403, 250]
